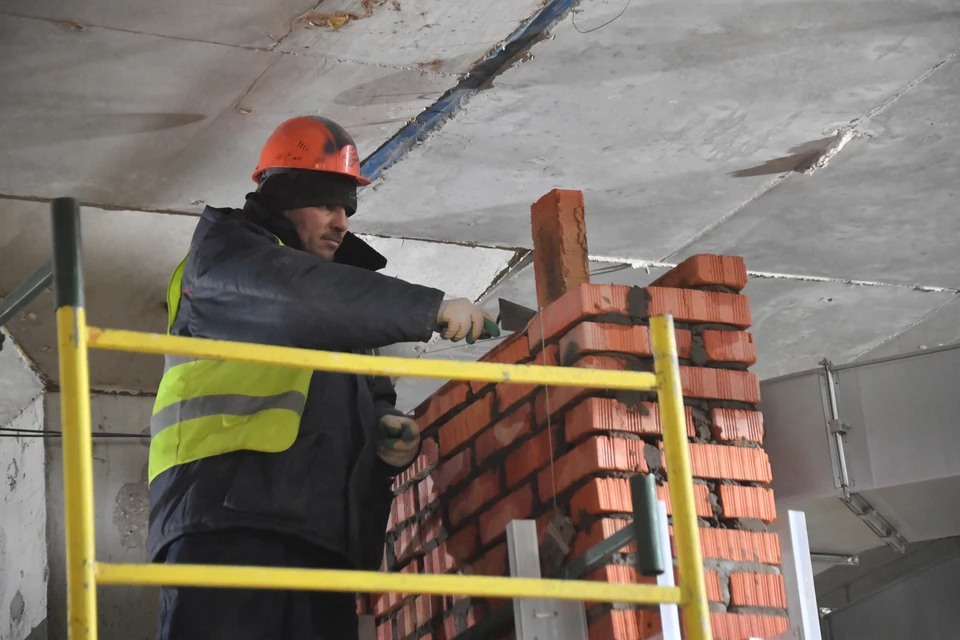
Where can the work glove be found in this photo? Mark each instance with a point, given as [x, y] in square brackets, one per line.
[398, 440]
[459, 318]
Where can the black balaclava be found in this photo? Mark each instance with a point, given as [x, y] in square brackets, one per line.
[295, 189]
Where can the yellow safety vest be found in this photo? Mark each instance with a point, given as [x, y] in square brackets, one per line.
[208, 407]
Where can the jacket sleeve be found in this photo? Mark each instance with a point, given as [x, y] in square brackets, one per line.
[241, 285]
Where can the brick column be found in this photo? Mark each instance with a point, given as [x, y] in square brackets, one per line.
[494, 453]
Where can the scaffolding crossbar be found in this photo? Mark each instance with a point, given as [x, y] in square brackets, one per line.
[84, 572]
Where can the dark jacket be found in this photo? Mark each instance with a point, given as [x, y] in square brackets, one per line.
[329, 488]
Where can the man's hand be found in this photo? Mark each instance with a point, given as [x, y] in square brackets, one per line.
[398, 440]
[460, 318]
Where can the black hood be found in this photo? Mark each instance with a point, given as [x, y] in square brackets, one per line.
[353, 251]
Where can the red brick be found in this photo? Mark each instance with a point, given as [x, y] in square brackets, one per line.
[625, 625]
[738, 626]
[606, 414]
[427, 492]
[439, 560]
[430, 527]
[385, 630]
[531, 455]
[505, 432]
[562, 397]
[627, 574]
[514, 350]
[720, 384]
[560, 261]
[450, 627]
[549, 357]
[716, 544]
[438, 406]
[509, 395]
[492, 563]
[757, 590]
[729, 346]
[601, 496]
[738, 546]
[466, 424]
[409, 543]
[599, 531]
[405, 505]
[452, 471]
[516, 506]
[594, 455]
[407, 619]
[586, 301]
[473, 496]
[453, 552]
[747, 502]
[427, 607]
[386, 603]
[429, 454]
[689, 305]
[723, 462]
[704, 270]
[603, 337]
[463, 544]
[731, 425]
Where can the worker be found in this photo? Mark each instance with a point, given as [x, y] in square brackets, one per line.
[264, 465]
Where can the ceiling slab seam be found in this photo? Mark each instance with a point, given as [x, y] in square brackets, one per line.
[83, 26]
[839, 138]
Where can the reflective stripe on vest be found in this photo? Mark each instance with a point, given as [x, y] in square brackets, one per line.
[209, 407]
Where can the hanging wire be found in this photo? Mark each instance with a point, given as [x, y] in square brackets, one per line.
[546, 398]
[12, 432]
[622, 11]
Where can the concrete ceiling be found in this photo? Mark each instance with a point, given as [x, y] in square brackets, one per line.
[689, 126]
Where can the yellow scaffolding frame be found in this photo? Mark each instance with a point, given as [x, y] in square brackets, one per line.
[84, 573]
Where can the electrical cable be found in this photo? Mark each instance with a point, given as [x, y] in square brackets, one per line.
[12, 432]
[573, 19]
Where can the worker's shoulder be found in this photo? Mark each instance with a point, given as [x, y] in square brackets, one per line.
[222, 224]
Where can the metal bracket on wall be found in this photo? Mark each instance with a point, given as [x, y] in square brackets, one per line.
[535, 618]
[857, 504]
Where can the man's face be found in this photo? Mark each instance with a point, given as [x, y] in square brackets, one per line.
[321, 229]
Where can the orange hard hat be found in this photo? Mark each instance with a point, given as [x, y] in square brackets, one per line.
[312, 143]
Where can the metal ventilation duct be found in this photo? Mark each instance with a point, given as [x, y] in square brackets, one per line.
[870, 451]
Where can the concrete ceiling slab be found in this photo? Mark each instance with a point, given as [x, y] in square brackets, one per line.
[884, 209]
[649, 115]
[250, 23]
[939, 329]
[95, 113]
[434, 35]
[371, 102]
[189, 135]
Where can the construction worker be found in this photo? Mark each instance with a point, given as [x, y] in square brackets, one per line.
[266, 465]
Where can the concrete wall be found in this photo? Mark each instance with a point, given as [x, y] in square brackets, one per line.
[23, 554]
[923, 605]
[121, 504]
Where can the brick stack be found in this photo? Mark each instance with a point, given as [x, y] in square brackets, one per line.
[487, 457]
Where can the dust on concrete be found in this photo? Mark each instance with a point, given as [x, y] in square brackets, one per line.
[13, 470]
[334, 20]
[131, 511]
[17, 607]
